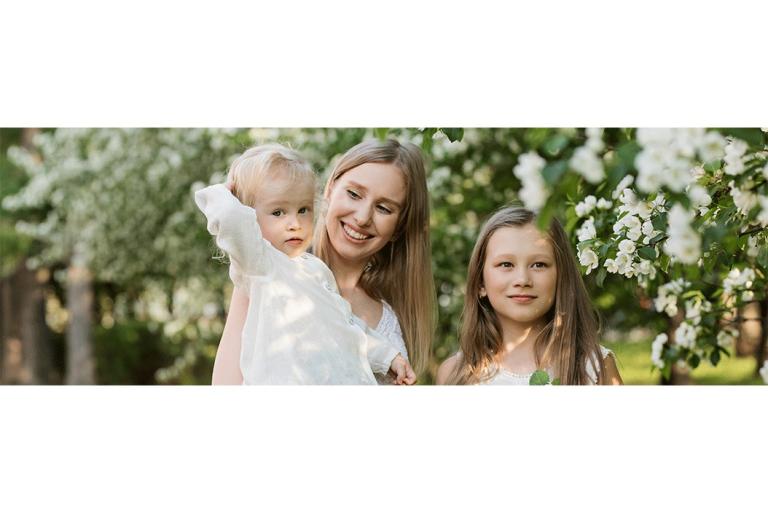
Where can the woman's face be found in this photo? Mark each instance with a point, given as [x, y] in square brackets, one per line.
[364, 206]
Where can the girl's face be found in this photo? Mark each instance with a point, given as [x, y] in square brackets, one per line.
[284, 213]
[519, 274]
[364, 206]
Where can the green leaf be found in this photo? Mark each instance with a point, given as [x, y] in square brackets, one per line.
[453, 134]
[660, 222]
[714, 357]
[555, 144]
[647, 253]
[694, 361]
[601, 276]
[627, 153]
[752, 136]
[539, 378]
[381, 133]
[556, 382]
[658, 238]
[553, 171]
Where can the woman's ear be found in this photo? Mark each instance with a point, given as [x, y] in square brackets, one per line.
[483, 293]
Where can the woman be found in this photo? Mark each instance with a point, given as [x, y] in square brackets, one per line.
[373, 233]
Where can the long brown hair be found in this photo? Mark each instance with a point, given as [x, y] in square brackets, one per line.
[401, 272]
[568, 343]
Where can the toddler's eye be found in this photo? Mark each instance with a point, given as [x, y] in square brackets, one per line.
[304, 209]
[353, 194]
[277, 213]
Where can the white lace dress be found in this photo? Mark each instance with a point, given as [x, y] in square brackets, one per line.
[389, 329]
[504, 377]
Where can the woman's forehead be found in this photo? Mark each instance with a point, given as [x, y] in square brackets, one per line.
[380, 179]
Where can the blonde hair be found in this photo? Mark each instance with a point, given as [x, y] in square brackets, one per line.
[401, 272]
[265, 161]
[568, 342]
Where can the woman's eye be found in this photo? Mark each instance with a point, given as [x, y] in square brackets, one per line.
[384, 210]
[353, 194]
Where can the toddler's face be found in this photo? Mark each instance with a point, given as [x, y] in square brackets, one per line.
[285, 212]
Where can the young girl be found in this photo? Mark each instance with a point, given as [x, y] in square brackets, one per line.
[298, 329]
[526, 308]
[373, 233]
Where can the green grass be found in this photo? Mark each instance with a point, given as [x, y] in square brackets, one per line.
[634, 361]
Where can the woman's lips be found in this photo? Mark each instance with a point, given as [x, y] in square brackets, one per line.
[353, 234]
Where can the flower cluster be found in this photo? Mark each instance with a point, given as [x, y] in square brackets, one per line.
[669, 154]
[586, 161]
[667, 294]
[534, 192]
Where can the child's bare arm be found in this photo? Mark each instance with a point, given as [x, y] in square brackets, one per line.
[226, 366]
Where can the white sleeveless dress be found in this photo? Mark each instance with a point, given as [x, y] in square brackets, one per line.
[504, 377]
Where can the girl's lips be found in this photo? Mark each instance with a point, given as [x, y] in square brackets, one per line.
[522, 299]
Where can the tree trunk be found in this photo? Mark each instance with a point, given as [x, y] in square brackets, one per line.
[762, 351]
[25, 351]
[748, 342]
[80, 364]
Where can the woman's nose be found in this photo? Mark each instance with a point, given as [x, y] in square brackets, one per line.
[363, 215]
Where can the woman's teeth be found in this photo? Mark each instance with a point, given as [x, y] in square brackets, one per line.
[354, 234]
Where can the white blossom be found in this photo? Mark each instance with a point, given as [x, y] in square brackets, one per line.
[587, 230]
[586, 206]
[744, 199]
[585, 162]
[534, 192]
[764, 371]
[627, 246]
[604, 204]
[685, 335]
[734, 163]
[684, 243]
[657, 348]
[588, 258]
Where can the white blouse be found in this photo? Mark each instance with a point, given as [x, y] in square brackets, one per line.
[504, 377]
[389, 328]
[298, 329]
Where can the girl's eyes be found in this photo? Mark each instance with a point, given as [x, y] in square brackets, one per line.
[538, 264]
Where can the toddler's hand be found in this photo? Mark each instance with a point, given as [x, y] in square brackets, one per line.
[402, 371]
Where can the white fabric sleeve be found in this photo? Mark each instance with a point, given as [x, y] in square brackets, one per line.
[236, 230]
[380, 352]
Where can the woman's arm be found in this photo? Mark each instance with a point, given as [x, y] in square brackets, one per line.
[226, 367]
